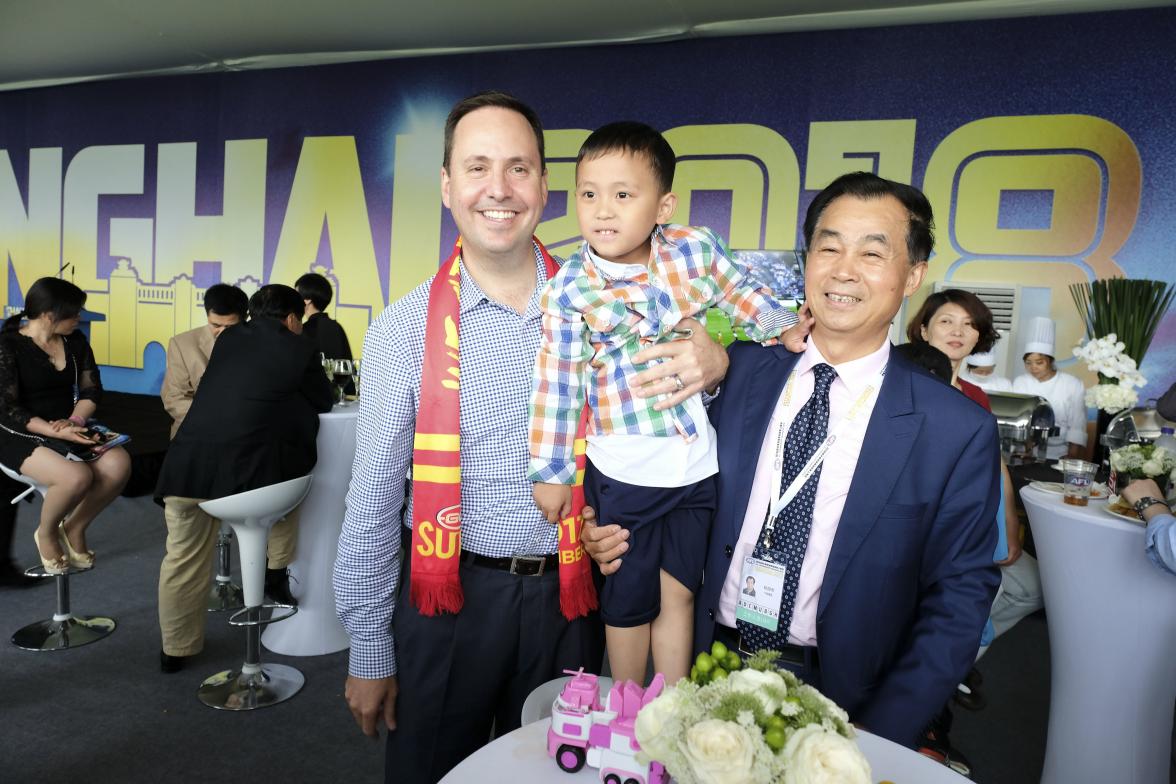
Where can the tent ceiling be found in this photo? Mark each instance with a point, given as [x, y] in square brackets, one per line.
[44, 42]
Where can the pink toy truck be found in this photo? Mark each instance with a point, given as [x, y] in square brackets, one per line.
[585, 732]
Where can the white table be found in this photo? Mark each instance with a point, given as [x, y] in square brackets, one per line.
[315, 629]
[1112, 640]
[521, 758]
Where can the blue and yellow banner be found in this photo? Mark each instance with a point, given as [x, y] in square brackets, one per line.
[1046, 146]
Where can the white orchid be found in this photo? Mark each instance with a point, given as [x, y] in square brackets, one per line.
[1105, 356]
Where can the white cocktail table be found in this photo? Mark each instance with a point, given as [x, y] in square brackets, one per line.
[521, 758]
[1112, 641]
[315, 629]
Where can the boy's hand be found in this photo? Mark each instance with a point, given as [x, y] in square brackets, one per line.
[797, 335]
[554, 501]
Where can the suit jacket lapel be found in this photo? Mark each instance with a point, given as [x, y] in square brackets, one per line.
[889, 437]
[763, 390]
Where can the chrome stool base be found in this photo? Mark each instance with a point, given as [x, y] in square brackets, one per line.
[73, 632]
[224, 597]
[64, 630]
[234, 690]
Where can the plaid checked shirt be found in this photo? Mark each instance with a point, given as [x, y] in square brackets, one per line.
[593, 325]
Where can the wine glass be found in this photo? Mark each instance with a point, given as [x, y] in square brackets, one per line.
[341, 374]
[355, 375]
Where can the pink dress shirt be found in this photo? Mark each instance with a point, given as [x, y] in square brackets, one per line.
[832, 488]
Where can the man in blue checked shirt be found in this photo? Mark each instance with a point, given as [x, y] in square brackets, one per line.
[439, 682]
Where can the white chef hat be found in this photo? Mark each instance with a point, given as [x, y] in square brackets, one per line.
[981, 359]
[1039, 336]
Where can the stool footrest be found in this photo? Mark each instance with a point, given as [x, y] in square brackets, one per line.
[233, 619]
[39, 571]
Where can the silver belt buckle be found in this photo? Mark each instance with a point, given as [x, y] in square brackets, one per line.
[528, 559]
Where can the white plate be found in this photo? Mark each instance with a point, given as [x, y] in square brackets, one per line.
[1131, 518]
[1098, 491]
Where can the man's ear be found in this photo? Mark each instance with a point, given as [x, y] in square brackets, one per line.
[445, 187]
[293, 323]
[666, 207]
[915, 278]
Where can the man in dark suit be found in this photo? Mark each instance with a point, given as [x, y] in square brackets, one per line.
[884, 553]
[252, 423]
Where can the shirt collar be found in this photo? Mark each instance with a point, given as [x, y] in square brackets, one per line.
[473, 296]
[854, 374]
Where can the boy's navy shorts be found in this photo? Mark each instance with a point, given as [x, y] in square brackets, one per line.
[668, 529]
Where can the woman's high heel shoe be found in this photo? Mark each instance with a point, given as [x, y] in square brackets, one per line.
[84, 560]
[58, 565]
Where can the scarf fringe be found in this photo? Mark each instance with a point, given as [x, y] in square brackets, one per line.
[433, 595]
[577, 598]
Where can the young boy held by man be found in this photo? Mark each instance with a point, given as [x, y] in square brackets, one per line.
[635, 277]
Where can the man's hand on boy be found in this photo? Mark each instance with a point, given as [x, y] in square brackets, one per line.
[686, 367]
[554, 501]
[604, 543]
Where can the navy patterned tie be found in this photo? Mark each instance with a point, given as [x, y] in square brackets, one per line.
[788, 539]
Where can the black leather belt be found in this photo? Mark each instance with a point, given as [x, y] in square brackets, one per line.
[522, 565]
[799, 655]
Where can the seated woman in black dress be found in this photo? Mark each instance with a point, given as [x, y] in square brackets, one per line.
[49, 387]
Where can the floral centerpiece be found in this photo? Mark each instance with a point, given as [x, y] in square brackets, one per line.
[1143, 461]
[1121, 316]
[1118, 375]
[729, 725]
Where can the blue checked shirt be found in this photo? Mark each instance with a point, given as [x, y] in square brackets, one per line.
[499, 517]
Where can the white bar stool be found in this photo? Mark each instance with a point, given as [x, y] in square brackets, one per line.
[225, 594]
[251, 515]
[64, 630]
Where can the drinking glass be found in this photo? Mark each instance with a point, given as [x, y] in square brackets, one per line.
[1077, 475]
[341, 372]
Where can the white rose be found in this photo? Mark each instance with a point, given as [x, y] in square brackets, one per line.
[818, 756]
[756, 683]
[650, 726]
[1152, 467]
[719, 752]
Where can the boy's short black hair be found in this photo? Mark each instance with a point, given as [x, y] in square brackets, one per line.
[277, 302]
[315, 288]
[225, 300]
[636, 139]
[927, 357]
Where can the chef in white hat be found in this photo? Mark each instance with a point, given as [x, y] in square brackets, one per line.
[979, 368]
[1064, 392]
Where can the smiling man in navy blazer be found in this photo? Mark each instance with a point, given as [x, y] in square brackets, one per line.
[891, 560]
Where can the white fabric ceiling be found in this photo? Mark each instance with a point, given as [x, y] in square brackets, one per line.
[45, 42]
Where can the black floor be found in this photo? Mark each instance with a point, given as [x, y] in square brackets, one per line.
[104, 712]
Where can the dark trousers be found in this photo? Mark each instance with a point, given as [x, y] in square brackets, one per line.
[808, 671]
[461, 674]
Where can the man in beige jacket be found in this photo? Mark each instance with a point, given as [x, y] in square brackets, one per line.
[187, 359]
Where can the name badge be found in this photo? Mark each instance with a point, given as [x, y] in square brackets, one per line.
[761, 592]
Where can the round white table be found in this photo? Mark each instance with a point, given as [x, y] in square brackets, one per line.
[521, 758]
[315, 629]
[1112, 640]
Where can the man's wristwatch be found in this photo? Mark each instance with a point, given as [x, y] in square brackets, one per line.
[1143, 504]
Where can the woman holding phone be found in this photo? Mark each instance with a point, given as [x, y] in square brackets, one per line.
[49, 388]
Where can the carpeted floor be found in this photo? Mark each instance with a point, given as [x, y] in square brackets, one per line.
[104, 713]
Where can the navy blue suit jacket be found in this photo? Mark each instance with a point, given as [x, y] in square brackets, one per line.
[910, 577]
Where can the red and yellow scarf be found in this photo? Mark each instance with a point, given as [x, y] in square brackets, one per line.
[435, 585]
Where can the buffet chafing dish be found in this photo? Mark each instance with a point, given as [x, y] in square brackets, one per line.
[1025, 423]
